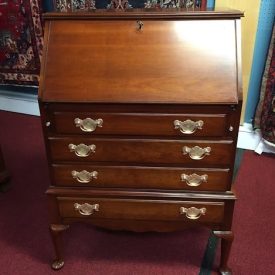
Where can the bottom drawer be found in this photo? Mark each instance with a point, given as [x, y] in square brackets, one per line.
[149, 210]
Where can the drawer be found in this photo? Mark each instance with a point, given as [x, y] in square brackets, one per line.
[142, 151]
[152, 210]
[140, 124]
[141, 177]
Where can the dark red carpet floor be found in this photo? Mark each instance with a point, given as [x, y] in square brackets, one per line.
[253, 251]
[25, 246]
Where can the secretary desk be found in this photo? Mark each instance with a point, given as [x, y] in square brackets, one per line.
[140, 113]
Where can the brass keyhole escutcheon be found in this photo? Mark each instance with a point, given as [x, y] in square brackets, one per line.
[140, 25]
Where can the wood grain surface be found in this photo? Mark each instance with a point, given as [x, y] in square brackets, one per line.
[165, 62]
[141, 177]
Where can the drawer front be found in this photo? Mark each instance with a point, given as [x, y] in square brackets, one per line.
[141, 177]
[141, 124]
[142, 151]
[155, 210]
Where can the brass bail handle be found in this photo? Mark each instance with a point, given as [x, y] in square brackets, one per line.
[86, 209]
[194, 179]
[140, 25]
[88, 124]
[193, 213]
[196, 153]
[84, 176]
[82, 150]
[188, 126]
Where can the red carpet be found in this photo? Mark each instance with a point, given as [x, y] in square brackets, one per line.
[253, 250]
[25, 246]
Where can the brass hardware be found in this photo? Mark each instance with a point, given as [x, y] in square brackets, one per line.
[196, 152]
[82, 150]
[84, 176]
[56, 265]
[48, 123]
[194, 179]
[231, 128]
[193, 213]
[188, 126]
[88, 124]
[140, 25]
[86, 209]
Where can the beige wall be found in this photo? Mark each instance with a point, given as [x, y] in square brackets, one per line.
[249, 29]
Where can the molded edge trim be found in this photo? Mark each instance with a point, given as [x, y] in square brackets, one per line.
[173, 14]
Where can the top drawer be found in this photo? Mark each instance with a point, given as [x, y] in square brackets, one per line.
[146, 124]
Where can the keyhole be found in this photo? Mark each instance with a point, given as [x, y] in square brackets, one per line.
[139, 25]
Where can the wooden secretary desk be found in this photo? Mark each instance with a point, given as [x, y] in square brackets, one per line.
[140, 112]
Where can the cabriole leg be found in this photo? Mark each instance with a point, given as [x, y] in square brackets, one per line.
[56, 233]
[226, 243]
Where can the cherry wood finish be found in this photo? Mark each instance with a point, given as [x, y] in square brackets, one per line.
[56, 233]
[111, 46]
[227, 238]
[155, 14]
[179, 65]
[142, 124]
[141, 177]
[142, 151]
[114, 45]
[158, 119]
[160, 210]
[228, 196]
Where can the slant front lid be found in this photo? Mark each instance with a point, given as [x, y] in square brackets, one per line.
[151, 61]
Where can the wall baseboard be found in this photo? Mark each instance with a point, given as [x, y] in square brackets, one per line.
[251, 139]
[19, 102]
[27, 104]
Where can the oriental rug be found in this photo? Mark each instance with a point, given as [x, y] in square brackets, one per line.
[86, 5]
[265, 114]
[21, 41]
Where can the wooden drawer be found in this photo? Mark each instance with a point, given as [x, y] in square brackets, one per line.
[211, 125]
[142, 151]
[141, 177]
[152, 210]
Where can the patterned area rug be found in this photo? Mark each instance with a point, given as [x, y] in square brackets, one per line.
[265, 115]
[21, 41]
[75, 5]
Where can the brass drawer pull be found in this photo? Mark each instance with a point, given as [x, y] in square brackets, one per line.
[193, 213]
[84, 176]
[86, 209]
[88, 124]
[82, 150]
[188, 126]
[196, 152]
[194, 179]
